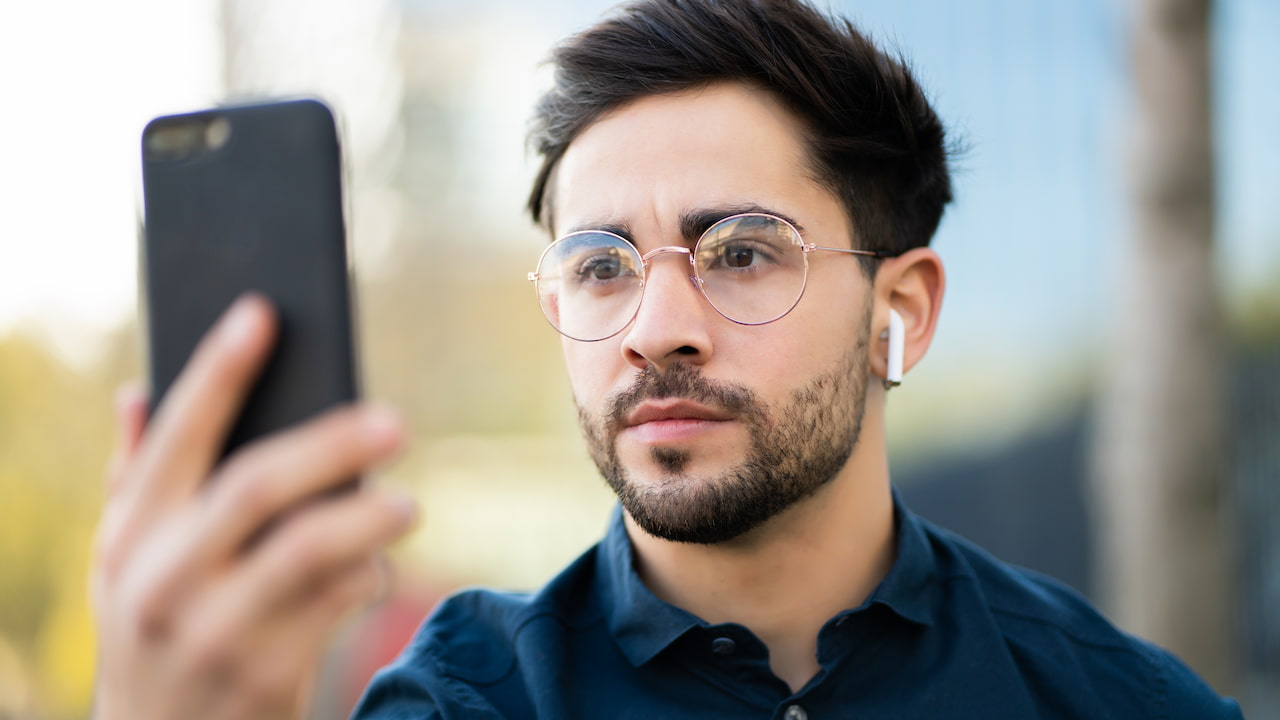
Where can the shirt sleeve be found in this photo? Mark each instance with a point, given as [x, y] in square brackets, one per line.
[415, 688]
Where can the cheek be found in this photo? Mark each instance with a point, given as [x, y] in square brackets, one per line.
[803, 341]
[838, 315]
[787, 354]
[591, 367]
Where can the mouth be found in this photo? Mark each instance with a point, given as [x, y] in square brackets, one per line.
[672, 409]
[672, 420]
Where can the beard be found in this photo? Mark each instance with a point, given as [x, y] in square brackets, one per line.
[794, 449]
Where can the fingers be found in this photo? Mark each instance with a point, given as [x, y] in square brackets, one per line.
[177, 448]
[252, 630]
[305, 552]
[266, 479]
[271, 476]
[192, 421]
[310, 572]
[131, 420]
[184, 599]
[277, 671]
[349, 590]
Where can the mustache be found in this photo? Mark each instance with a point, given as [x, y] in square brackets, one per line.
[684, 382]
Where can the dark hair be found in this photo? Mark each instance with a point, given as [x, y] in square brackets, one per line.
[874, 140]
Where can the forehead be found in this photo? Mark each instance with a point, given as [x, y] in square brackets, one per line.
[655, 158]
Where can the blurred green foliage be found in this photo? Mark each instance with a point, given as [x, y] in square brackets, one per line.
[452, 339]
[55, 428]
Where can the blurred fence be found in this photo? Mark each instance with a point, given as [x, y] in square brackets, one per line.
[1026, 503]
[1257, 474]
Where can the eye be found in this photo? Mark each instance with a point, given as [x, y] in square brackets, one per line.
[602, 266]
[737, 256]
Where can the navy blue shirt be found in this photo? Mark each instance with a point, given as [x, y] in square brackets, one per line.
[950, 633]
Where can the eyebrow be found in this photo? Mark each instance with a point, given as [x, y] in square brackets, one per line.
[693, 223]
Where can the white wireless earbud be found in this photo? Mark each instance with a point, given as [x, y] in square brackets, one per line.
[893, 371]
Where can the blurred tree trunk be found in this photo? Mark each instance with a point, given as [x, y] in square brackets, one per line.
[1162, 487]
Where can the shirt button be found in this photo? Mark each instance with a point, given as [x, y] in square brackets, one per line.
[723, 646]
[795, 712]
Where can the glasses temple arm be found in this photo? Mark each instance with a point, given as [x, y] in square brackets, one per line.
[810, 247]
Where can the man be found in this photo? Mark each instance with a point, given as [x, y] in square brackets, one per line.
[743, 193]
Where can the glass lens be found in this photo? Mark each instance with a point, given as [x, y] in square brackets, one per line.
[589, 284]
[752, 267]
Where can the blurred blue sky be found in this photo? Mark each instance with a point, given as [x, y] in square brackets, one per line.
[1038, 92]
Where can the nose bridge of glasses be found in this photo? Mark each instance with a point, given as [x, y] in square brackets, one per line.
[667, 249]
[673, 249]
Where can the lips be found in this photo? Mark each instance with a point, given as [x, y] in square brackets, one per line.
[672, 421]
[652, 411]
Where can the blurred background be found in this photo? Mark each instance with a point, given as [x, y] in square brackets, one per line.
[1101, 403]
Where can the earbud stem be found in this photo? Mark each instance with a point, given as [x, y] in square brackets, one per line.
[893, 371]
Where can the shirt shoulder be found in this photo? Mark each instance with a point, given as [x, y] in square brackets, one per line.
[1063, 646]
[462, 661]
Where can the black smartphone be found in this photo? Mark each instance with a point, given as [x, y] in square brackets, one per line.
[249, 198]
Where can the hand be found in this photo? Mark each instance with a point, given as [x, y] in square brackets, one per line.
[200, 613]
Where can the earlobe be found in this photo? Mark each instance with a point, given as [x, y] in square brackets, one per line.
[897, 343]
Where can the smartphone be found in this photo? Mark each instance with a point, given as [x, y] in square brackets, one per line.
[249, 198]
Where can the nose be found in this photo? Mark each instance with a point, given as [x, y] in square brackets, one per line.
[673, 322]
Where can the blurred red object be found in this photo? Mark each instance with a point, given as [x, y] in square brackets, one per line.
[380, 635]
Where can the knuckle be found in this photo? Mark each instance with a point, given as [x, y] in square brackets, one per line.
[311, 552]
[153, 612]
[323, 544]
[114, 538]
[214, 369]
[306, 550]
[209, 652]
[222, 360]
[248, 487]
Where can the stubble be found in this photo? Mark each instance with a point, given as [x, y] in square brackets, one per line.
[794, 449]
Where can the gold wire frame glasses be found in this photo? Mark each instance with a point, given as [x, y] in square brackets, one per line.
[752, 268]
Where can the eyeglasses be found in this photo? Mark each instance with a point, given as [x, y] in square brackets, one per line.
[752, 268]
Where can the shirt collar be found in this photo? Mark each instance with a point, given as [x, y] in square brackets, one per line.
[908, 589]
[643, 625]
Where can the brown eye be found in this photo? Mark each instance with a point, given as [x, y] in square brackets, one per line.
[601, 267]
[738, 257]
[604, 269]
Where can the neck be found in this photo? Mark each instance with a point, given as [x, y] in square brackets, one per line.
[785, 579]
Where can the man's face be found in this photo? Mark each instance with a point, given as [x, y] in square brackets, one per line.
[706, 428]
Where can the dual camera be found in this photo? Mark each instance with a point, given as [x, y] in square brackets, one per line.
[186, 138]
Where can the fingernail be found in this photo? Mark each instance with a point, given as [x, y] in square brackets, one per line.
[380, 422]
[238, 322]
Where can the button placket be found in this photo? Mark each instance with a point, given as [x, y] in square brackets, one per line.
[795, 712]
[723, 646]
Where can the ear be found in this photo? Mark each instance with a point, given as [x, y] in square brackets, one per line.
[912, 284]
